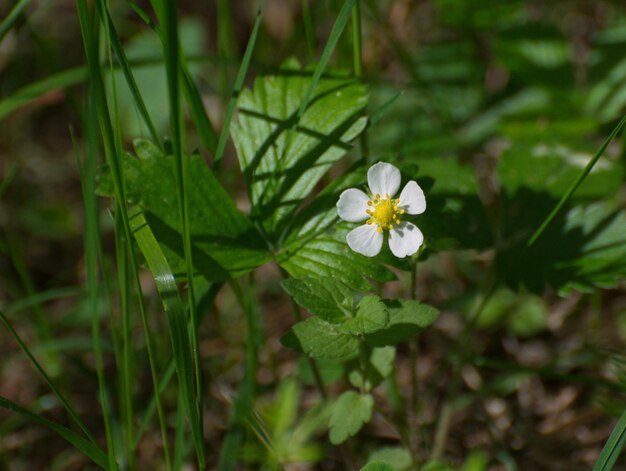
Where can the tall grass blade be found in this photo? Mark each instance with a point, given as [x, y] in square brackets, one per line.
[333, 39]
[96, 106]
[68, 407]
[11, 18]
[241, 75]
[40, 298]
[613, 447]
[175, 311]
[242, 409]
[89, 449]
[116, 44]
[31, 92]
[568, 194]
[171, 48]
[198, 113]
[205, 129]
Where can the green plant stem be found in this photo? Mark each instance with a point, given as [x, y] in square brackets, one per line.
[413, 362]
[317, 377]
[445, 417]
[126, 363]
[363, 363]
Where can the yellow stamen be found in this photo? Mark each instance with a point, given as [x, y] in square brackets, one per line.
[386, 212]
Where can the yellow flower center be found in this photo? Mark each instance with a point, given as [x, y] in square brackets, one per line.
[385, 213]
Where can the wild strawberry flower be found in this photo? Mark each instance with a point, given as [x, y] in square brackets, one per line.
[383, 213]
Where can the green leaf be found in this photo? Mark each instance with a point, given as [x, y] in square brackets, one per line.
[325, 253]
[406, 319]
[327, 298]
[319, 339]
[380, 363]
[224, 242]
[378, 466]
[371, 316]
[93, 452]
[398, 457]
[283, 158]
[350, 413]
[316, 241]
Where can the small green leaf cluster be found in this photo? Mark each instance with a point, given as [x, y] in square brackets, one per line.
[359, 329]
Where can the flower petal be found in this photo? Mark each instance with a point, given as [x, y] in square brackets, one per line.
[412, 198]
[405, 239]
[365, 240]
[383, 179]
[352, 205]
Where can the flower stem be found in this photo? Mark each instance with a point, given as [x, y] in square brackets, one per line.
[447, 410]
[413, 361]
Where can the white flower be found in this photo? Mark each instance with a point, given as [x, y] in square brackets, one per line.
[383, 213]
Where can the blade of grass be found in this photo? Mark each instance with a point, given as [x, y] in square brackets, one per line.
[169, 20]
[33, 91]
[613, 447]
[128, 255]
[198, 113]
[308, 28]
[226, 46]
[333, 39]
[245, 390]
[40, 298]
[175, 311]
[203, 124]
[166, 377]
[124, 357]
[116, 43]
[574, 186]
[90, 450]
[112, 147]
[356, 40]
[68, 407]
[89, 31]
[241, 75]
[12, 17]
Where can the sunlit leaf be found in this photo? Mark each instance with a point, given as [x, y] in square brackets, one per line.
[283, 158]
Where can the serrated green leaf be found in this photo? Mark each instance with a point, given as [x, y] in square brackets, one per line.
[371, 316]
[325, 253]
[350, 413]
[406, 319]
[327, 298]
[283, 158]
[319, 339]
[380, 363]
[378, 466]
[224, 242]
